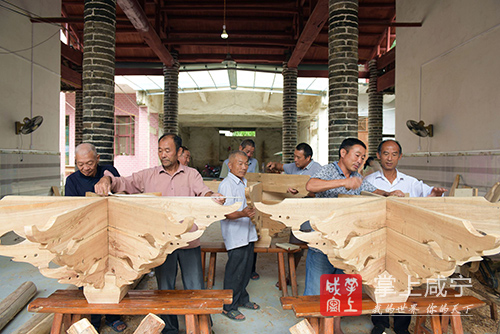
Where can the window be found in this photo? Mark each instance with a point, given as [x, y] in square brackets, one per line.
[124, 135]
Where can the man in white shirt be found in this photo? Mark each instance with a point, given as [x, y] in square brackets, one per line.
[390, 179]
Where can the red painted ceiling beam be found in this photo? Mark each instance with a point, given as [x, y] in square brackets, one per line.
[140, 21]
[311, 30]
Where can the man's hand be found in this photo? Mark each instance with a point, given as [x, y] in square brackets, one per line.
[248, 212]
[352, 183]
[103, 187]
[437, 192]
[218, 198]
[273, 167]
[293, 191]
[397, 193]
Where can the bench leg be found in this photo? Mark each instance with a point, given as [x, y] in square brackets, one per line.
[456, 324]
[211, 270]
[314, 324]
[205, 327]
[57, 324]
[67, 322]
[281, 273]
[326, 325]
[445, 320]
[192, 324]
[436, 325]
[420, 325]
[293, 275]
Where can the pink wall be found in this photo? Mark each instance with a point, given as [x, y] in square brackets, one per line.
[145, 142]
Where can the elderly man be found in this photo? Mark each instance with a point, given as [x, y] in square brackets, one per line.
[171, 179]
[247, 146]
[77, 184]
[184, 156]
[391, 179]
[239, 235]
[333, 179]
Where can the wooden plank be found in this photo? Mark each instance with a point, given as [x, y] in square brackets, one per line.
[454, 186]
[387, 80]
[15, 302]
[493, 195]
[74, 56]
[303, 327]
[71, 77]
[151, 324]
[280, 182]
[82, 327]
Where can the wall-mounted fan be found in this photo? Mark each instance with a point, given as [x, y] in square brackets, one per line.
[420, 129]
[28, 125]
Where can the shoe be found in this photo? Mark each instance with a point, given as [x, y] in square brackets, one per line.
[250, 306]
[378, 329]
[254, 276]
[233, 314]
[278, 283]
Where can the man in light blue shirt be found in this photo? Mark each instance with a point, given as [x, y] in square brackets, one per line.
[303, 164]
[390, 179]
[239, 236]
[247, 146]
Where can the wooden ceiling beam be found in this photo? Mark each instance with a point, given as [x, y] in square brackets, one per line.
[229, 5]
[136, 15]
[74, 56]
[313, 27]
[263, 9]
[234, 41]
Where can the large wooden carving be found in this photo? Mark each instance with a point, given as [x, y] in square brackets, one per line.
[408, 240]
[102, 244]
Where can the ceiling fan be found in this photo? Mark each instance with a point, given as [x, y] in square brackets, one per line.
[420, 129]
[29, 125]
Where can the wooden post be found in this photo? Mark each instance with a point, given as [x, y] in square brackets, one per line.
[15, 302]
[39, 323]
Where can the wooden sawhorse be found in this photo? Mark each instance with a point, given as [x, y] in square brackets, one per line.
[69, 306]
[309, 308]
[218, 247]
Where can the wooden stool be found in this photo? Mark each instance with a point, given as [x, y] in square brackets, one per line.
[309, 308]
[70, 305]
[218, 247]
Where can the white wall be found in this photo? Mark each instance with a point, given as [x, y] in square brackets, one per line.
[21, 154]
[446, 75]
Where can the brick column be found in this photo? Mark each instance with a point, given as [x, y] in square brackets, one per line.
[343, 73]
[78, 117]
[289, 113]
[98, 76]
[171, 96]
[375, 106]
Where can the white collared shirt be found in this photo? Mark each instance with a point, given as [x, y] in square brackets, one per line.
[403, 182]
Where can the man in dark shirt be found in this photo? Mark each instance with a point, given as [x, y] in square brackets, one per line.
[89, 172]
[77, 184]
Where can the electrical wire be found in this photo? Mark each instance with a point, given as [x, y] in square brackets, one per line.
[31, 15]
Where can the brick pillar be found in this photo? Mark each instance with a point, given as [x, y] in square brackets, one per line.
[98, 76]
[289, 113]
[171, 96]
[375, 106]
[343, 73]
[78, 117]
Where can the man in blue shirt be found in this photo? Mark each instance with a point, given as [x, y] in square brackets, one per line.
[247, 146]
[391, 179]
[77, 184]
[239, 236]
[340, 177]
